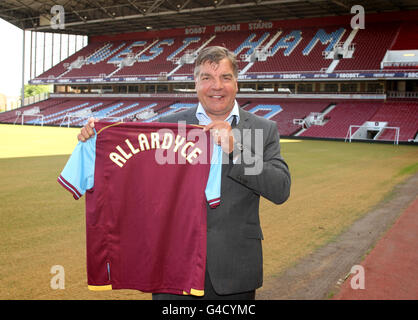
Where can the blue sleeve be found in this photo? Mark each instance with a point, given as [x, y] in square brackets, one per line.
[213, 186]
[78, 174]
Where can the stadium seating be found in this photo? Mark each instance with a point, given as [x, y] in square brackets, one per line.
[290, 110]
[154, 60]
[300, 50]
[407, 37]
[402, 114]
[62, 67]
[371, 45]
[290, 49]
[97, 64]
[341, 117]
[55, 110]
[240, 42]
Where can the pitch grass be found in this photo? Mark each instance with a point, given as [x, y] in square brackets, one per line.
[41, 225]
[30, 141]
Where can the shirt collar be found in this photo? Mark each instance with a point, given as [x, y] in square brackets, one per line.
[204, 119]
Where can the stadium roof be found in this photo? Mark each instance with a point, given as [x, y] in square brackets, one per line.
[99, 17]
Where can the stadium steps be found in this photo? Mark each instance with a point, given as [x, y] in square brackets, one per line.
[135, 112]
[266, 47]
[80, 53]
[341, 117]
[76, 121]
[58, 115]
[324, 112]
[403, 114]
[136, 56]
[172, 109]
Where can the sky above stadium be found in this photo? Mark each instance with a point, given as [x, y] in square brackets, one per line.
[10, 59]
[11, 55]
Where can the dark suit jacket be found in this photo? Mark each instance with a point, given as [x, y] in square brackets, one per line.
[234, 252]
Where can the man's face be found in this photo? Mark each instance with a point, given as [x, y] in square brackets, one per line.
[216, 88]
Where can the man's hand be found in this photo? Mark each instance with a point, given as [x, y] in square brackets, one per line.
[222, 134]
[87, 131]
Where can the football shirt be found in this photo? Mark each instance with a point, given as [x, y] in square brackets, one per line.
[146, 187]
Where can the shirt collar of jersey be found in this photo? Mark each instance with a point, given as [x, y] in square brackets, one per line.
[204, 119]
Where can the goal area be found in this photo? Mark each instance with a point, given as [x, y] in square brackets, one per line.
[372, 131]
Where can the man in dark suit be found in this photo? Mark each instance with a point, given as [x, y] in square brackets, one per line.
[252, 167]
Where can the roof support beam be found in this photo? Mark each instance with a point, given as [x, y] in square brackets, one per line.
[184, 5]
[341, 4]
[155, 5]
[158, 3]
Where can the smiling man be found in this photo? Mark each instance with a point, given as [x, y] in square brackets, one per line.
[234, 262]
[234, 266]
[216, 86]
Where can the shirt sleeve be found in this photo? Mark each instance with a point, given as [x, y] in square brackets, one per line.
[213, 186]
[78, 174]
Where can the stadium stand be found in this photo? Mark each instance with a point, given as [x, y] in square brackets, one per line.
[241, 42]
[297, 50]
[371, 45]
[65, 65]
[286, 50]
[55, 110]
[96, 64]
[320, 47]
[406, 41]
[406, 37]
[289, 110]
[402, 114]
[341, 117]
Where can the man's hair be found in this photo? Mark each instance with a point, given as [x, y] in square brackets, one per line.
[215, 54]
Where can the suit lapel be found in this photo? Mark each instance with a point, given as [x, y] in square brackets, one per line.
[244, 123]
[191, 116]
[244, 120]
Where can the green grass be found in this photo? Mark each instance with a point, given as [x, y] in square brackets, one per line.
[333, 184]
[408, 170]
[41, 225]
[30, 141]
